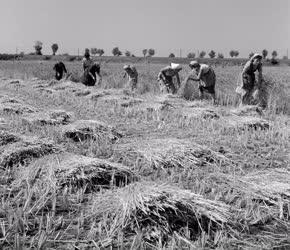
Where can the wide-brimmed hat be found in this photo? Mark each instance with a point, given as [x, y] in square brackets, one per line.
[175, 66]
[256, 55]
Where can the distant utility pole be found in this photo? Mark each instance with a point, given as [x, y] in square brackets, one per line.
[78, 52]
[287, 54]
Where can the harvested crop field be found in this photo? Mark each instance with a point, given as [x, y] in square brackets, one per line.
[104, 168]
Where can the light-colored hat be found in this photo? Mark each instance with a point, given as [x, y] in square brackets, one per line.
[256, 55]
[175, 66]
[126, 66]
[194, 63]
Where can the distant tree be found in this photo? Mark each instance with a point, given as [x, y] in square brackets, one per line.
[94, 51]
[127, 53]
[191, 55]
[202, 54]
[22, 54]
[264, 53]
[251, 54]
[236, 53]
[116, 52]
[38, 47]
[144, 52]
[232, 53]
[285, 57]
[54, 48]
[100, 52]
[220, 56]
[211, 54]
[151, 52]
[274, 54]
[171, 55]
[133, 55]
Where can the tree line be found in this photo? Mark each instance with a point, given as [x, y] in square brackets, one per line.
[151, 52]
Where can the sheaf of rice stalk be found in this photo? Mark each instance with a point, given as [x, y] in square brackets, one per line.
[83, 130]
[263, 201]
[16, 151]
[156, 210]
[166, 153]
[16, 108]
[270, 185]
[53, 117]
[6, 138]
[76, 172]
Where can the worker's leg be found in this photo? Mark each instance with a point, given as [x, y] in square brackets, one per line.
[200, 92]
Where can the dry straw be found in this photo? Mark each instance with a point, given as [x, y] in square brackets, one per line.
[167, 153]
[76, 172]
[157, 210]
[16, 150]
[82, 130]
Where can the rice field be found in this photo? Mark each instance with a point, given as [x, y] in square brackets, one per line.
[105, 168]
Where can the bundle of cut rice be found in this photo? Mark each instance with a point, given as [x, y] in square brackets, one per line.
[247, 122]
[188, 90]
[248, 110]
[16, 108]
[9, 99]
[19, 150]
[83, 130]
[166, 153]
[53, 117]
[157, 211]
[76, 172]
[267, 185]
[6, 138]
[262, 201]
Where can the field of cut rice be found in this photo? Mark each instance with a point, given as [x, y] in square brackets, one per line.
[104, 168]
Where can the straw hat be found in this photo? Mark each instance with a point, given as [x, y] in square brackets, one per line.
[175, 66]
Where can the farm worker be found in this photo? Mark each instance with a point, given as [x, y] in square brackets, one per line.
[247, 80]
[165, 78]
[87, 61]
[59, 69]
[132, 74]
[90, 74]
[205, 76]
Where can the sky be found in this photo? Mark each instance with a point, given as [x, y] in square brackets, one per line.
[164, 25]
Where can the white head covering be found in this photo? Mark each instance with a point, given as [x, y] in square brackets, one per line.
[175, 66]
[255, 56]
[126, 66]
[194, 63]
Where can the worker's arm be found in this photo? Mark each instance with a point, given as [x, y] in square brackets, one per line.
[199, 75]
[178, 80]
[162, 75]
[83, 63]
[92, 76]
[64, 69]
[125, 74]
[98, 71]
[260, 76]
